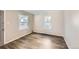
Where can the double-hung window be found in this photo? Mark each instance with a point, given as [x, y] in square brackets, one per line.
[23, 24]
[47, 22]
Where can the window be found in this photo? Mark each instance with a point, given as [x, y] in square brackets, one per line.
[23, 24]
[47, 22]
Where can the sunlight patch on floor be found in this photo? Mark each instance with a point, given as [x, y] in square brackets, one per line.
[46, 43]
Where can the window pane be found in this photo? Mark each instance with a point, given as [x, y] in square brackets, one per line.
[47, 22]
[23, 22]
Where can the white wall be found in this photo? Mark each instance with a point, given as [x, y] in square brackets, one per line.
[57, 23]
[11, 25]
[72, 28]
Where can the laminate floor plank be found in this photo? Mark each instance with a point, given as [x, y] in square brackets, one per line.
[37, 41]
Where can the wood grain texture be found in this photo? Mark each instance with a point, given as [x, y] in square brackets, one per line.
[37, 41]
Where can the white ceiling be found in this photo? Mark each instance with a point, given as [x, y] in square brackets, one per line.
[38, 12]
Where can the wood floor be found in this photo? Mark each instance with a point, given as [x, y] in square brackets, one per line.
[37, 41]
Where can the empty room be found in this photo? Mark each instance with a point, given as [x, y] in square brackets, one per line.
[39, 29]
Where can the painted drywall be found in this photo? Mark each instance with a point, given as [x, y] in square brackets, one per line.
[11, 25]
[72, 28]
[1, 27]
[57, 23]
